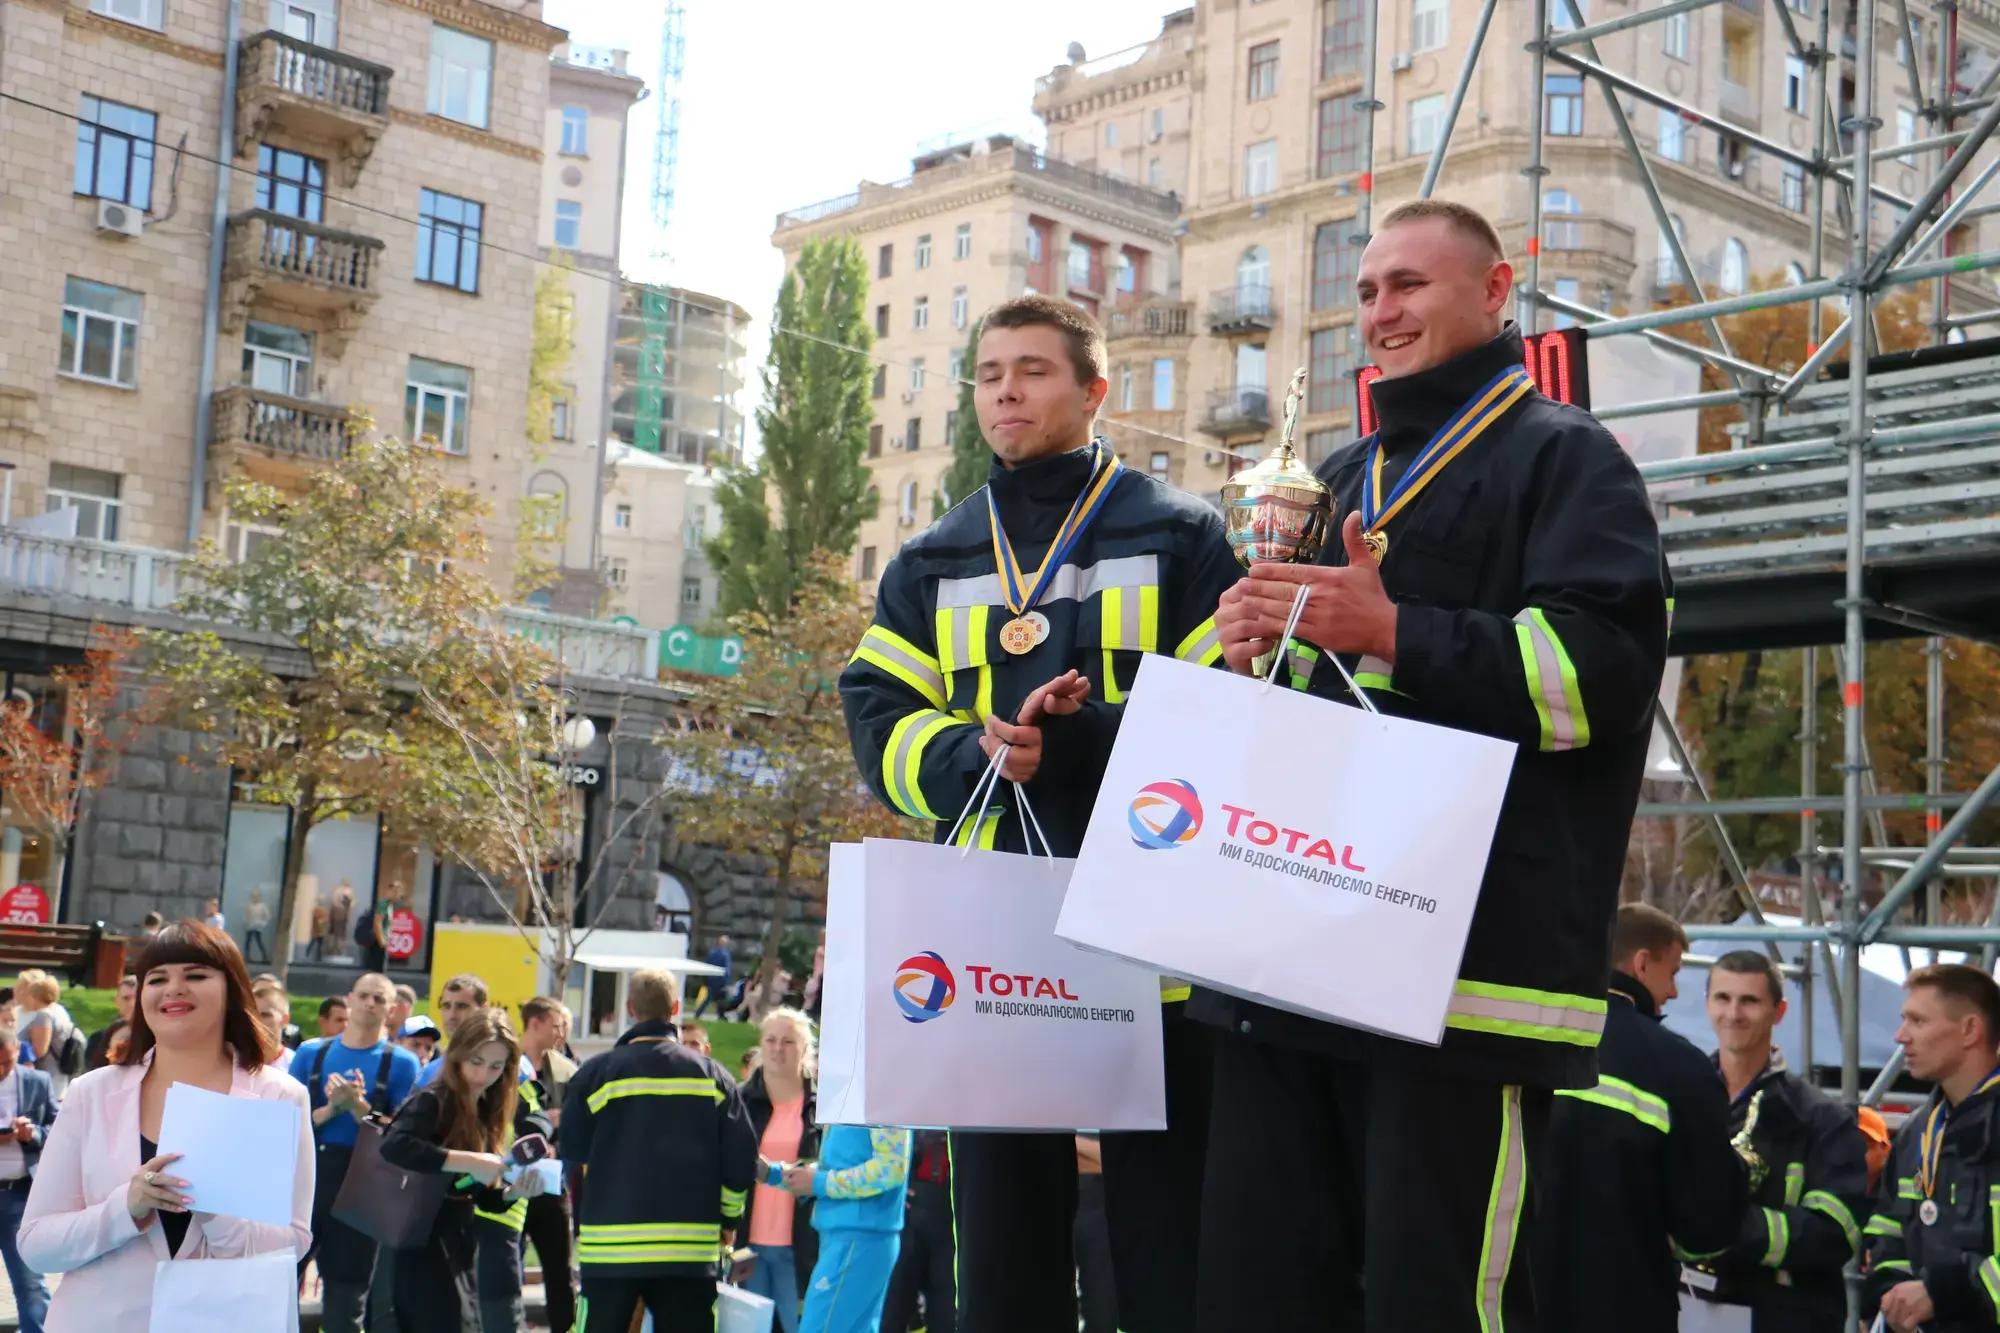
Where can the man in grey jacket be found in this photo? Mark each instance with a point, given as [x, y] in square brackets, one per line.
[27, 1109]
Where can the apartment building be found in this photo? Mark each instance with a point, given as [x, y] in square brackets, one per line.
[659, 514]
[973, 225]
[1127, 114]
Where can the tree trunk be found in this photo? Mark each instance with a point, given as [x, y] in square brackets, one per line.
[304, 815]
[781, 901]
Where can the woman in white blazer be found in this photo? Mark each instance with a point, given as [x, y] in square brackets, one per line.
[106, 1207]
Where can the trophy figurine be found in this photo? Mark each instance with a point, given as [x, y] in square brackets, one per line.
[1278, 510]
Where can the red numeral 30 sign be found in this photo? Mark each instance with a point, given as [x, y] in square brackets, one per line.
[1556, 360]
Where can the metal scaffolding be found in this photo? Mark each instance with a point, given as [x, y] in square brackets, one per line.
[1822, 456]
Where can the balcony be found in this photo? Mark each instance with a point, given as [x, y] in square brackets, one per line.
[1150, 319]
[313, 94]
[252, 423]
[1237, 412]
[1244, 308]
[1738, 104]
[306, 267]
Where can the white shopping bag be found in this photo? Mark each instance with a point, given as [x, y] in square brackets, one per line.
[259, 1294]
[739, 1311]
[950, 1003]
[1288, 849]
[1700, 1316]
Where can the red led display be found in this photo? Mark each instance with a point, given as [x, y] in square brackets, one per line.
[1555, 359]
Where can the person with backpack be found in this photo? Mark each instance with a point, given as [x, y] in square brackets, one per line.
[47, 1030]
[349, 1077]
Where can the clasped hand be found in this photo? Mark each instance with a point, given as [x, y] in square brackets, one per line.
[1348, 611]
[1059, 698]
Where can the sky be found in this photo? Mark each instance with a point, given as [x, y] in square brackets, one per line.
[785, 103]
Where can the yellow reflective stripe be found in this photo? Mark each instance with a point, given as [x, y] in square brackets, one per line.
[514, 1219]
[1516, 1011]
[1503, 1212]
[732, 1202]
[985, 827]
[653, 1087]
[1780, 1232]
[902, 659]
[1906, 1188]
[1303, 659]
[1375, 673]
[1820, 1201]
[1202, 646]
[612, 1233]
[1881, 1224]
[1619, 1095]
[1175, 994]
[1989, 1278]
[1552, 683]
[903, 757]
[1112, 694]
[982, 698]
[1670, 615]
[1902, 1265]
[648, 1254]
[1795, 1180]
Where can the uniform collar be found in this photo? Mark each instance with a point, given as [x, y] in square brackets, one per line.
[1773, 1067]
[1635, 990]
[1414, 408]
[1035, 497]
[653, 1029]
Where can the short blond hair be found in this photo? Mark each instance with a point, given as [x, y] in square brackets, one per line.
[797, 1019]
[38, 986]
[654, 995]
[1468, 222]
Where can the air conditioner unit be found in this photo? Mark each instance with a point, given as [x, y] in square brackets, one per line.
[1401, 61]
[120, 218]
[909, 396]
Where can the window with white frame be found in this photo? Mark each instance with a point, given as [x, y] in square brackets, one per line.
[961, 241]
[114, 152]
[569, 224]
[697, 527]
[621, 517]
[1034, 244]
[1260, 168]
[1906, 132]
[1673, 136]
[1796, 84]
[617, 571]
[916, 374]
[955, 367]
[100, 332]
[1674, 35]
[461, 76]
[924, 250]
[690, 591]
[920, 313]
[1665, 270]
[576, 131]
[277, 359]
[437, 398]
[1792, 187]
[1110, 134]
[1566, 289]
[143, 13]
[1263, 77]
[1425, 119]
[1560, 229]
[1156, 175]
[1801, 7]
[1161, 464]
[562, 413]
[1563, 104]
[94, 496]
[1128, 273]
[1080, 265]
[1430, 25]
[1735, 278]
[240, 541]
[961, 307]
[548, 497]
[1795, 274]
[906, 503]
[1163, 384]
[1124, 388]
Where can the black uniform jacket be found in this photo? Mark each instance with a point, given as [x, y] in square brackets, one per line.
[1532, 604]
[1957, 1256]
[1637, 1170]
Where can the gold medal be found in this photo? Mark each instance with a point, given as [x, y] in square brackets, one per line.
[1021, 634]
[1377, 543]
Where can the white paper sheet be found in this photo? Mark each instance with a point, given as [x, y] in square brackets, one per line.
[239, 1155]
[1700, 1316]
[259, 1294]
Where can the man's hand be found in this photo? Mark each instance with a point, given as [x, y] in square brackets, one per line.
[24, 1129]
[1059, 698]
[1347, 612]
[1907, 1306]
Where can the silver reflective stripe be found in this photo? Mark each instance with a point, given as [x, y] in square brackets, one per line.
[1503, 1212]
[1210, 641]
[961, 641]
[1373, 666]
[1073, 582]
[1525, 1018]
[895, 650]
[1549, 683]
[1128, 618]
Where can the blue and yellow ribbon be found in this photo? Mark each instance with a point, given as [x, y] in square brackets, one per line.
[1931, 1145]
[1022, 593]
[1480, 411]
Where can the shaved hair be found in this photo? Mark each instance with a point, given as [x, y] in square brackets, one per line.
[1467, 222]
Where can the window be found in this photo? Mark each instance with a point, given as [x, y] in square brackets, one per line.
[1566, 289]
[1163, 384]
[1334, 262]
[885, 260]
[1426, 118]
[1124, 388]
[291, 183]
[448, 240]
[548, 505]
[1160, 465]
[1340, 37]
[882, 320]
[1128, 273]
[1430, 24]
[569, 224]
[1320, 445]
[961, 308]
[461, 76]
[1559, 17]
[951, 427]
[100, 332]
[1253, 273]
[617, 571]
[94, 496]
[1795, 274]
[576, 131]
[1252, 366]
[1673, 136]
[875, 440]
[1739, 57]
[1674, 35]
[690, 592]
[916, 374]
[1560, 230]
[1156, 176]
[1340, 145]
[621, 518]
[1795, 84]
[1263, 71]
[1563, 102]
[867, 562]
[1906, 132]
[1329, 362]
[961, 241]
[955, 367]
[1802, 7]
[561, 412]
[436, 399]
[881, 387]
[906, 503]
[1111, 134]
[1792, 187]
[924, 250]
[920, 313]
[1735, 267]
[145, 13]
[277, 359]
[1665, 270]
[1034, 244]
[1080, 265]
[1260, 168]
[114, 152]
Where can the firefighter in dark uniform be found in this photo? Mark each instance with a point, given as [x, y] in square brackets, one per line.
[1496, 569]
[1019, 619]
[1934, 1237]
[1808, 1166]
[1639, 1173]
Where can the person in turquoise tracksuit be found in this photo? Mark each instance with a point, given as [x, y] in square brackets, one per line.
[859, 1181]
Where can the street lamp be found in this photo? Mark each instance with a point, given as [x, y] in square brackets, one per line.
[578, 733]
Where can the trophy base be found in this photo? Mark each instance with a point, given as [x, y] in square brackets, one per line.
[1261, 666]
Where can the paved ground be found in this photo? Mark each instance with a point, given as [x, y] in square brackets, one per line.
[308, 1308]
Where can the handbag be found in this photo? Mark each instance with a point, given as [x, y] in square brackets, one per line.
[384, 1202]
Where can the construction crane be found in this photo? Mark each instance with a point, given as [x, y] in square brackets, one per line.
[667, 134]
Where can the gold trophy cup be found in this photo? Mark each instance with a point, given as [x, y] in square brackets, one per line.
[1278, 510]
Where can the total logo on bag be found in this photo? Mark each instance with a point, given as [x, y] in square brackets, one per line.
[1165, 815]
[925, 989]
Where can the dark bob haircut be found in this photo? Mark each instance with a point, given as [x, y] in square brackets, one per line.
[194, 942]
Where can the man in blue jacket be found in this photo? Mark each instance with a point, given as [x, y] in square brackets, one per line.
[27, 1109]
[859, 1181]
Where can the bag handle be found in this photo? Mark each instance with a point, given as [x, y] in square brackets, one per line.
[1283, 649]
[980, 790]
[988, 782]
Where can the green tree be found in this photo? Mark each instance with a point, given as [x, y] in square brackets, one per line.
[970, 455]
[374, 574]
[808, 490]
[542, 528]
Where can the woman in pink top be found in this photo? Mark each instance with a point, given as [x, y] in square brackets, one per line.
[780, 1100]
[106, 1207]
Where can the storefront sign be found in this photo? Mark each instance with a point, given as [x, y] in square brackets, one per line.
[24, 904]
[681, 649]
[406, 934]
[583, 775]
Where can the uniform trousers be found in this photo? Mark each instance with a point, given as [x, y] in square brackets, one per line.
[677, 1304]
[925, 1266]
[1360, 1197]
[549, 1228]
